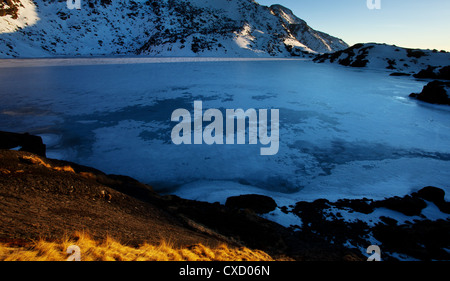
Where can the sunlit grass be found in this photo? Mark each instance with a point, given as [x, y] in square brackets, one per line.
[110, 249]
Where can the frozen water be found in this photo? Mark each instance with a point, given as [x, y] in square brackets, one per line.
[343, 132]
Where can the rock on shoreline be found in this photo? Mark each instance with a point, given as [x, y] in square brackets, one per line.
[413, 227]
[26, 142]
[436, 92]
[260, 204]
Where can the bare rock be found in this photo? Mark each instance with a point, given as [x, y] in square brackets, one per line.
[258, 203]
[27, 142]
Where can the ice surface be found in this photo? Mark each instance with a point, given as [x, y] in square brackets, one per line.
[344, 133]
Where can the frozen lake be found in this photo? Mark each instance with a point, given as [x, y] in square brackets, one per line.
[343, 132]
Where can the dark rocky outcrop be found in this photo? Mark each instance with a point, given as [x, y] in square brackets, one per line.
[27, 142]
[422, 239]
[435, 92]
[415, 53]
[399, 74]
[408, 205]
[355, 56]
[9, 7]
[432, 194]
[433, 72]
[364, 206]
[435, 195]
[260, 204]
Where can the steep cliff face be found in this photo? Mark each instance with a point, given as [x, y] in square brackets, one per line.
[300, 31]
[46, 28]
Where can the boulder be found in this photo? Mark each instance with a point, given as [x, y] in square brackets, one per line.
[435, 195]
[408, 205]
[431, 193]
[399, 74]
[358, 205]
[434, 92]
[26, 142]
[260, 204]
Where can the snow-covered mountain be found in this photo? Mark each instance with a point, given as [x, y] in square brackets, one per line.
[389, 57]
[299, 32]
[46, 28]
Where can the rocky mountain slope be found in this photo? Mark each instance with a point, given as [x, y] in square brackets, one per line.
[43, 198]
[387, 57]
[46, 28]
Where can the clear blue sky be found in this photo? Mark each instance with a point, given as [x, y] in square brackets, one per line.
[406, 23]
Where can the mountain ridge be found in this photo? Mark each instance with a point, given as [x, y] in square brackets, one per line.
[386, 57]
[47, 28]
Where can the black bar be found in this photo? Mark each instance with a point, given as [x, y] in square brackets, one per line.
[168, 271]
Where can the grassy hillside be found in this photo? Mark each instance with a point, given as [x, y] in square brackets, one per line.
[110, 249]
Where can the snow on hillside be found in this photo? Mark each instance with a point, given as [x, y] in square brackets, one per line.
[298, 28]
[47, 28]
[388, 57]
[13, 20]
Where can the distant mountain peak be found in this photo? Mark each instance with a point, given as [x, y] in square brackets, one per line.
[286, 14]
[317, 41]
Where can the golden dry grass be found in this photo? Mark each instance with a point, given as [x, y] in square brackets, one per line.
[38, 161]
[111, 250]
